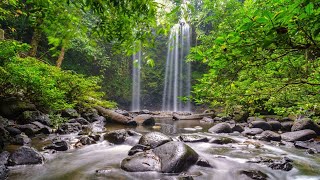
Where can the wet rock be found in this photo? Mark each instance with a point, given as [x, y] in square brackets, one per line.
[217, 119]
[25, 155]
[28, 117]
[203, 163]
[286, 119]
[58, 145]
[70, 113]
[87, 141]
[286, 126]
[90, 114]
[285, 164]
[240, 116]
[222, 140]
[302, 135]
[4, 156]
[43, 119]
[206, 120]
[313, 145]
[68, 128]
[260, 124]
[179, 177]
[145, 120]
[43, 129]
[252, 131]
[95, 137]
[98, 118]
[79, 120]
[29, 129]
[221, 128]
[133, 133]
[137, 148]
[193, 138]
[250, 119]
[145, 111]
[3, 172]
[122, 112]
[21, 139]
[141, 162]
[305, 123]
[117, 136]
[254, 174]
[13, 131]
[175, 157]
[269, 136]
[275, 125]
[237, 127]
[154, 139]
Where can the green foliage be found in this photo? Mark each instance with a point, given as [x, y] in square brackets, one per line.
[47, 85]
[56, 120]
[262, 55]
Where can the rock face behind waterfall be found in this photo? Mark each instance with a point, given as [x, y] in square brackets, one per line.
[166, 156]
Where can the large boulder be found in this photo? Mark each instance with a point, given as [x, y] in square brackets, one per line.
[13, 131]
[221, 128]
[237, 127]
[260, 124]
[117, 136]
[28, 117]
[286, 126]
[269, 136]
[3, 172]
[4, 156]
[90, 114]
[252, 131]
[275, 125]
[145, 120]
[305, 123]
[42, 128]
[140, 162]
[68, 128]
[175, 157]
[58, 145]
[154, 139]
[70, 113]
[302, 135]
[25, 155]
[29, 129]
[313, 145]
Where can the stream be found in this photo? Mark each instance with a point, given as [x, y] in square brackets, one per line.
[227, 159]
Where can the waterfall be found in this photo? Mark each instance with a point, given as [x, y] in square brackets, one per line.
[136, 81]
[178, 71]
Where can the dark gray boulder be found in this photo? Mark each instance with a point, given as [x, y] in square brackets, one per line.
[302, 135]
[144, 120]
[58, 145]
[313, 145]
[141, 162]
[284, 164]
[29, 129]
[253, 174]
[237, 127]
[260, 124]
[68, 128]
[221, 128]
[70, 113]
[4, 156]
[13, 131]
[117, 136]
[13, 107]
[275, 125]
[305, 123]
[203, 163]
[25, 155]
[193, 138]
[79, 120]
[3, 172]
[286, 126]
[252, 131]
[90, 114]
[154, 139]
[222, 140]
[269, 136]
[28, 117]
[42, 128]
[175, 157]
[86, 140]
[21, 139]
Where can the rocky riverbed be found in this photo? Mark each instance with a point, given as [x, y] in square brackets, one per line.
[157, 146]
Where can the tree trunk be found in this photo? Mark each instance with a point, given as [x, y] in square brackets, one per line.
[35, 42]
[61, 57]
[115, 117]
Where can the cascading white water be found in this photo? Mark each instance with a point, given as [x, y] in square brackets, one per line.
[178, 71]
[136, 81]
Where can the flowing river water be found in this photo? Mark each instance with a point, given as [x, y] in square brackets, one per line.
[82, 163]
